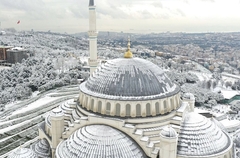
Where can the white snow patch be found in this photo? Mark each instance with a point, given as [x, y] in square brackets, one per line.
[16, 126]
[35, 105]
[202, 76]
[4, 67]
[34, 94]
[228, 94]
[230, 123]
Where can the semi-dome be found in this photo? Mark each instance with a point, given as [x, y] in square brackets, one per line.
[129, 79]
[22, 153]
[42, 148]
[99, 141]
[168, 132]
[199, 137]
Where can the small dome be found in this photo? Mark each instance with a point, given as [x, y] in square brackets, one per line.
[22, 153]
[129, 79]
[57, 112]
[98, 141]
[199, 136]
[189, 96]
[42, 148]
[169, 132]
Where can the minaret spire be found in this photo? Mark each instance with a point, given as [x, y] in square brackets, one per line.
[92, 33]
[128, 53]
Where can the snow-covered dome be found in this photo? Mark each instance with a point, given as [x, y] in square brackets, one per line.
[57, 112]
[129, 79]
[42, 148]
[188, 96]
[98, 141]
[168, 132]
[22, 153]
[199, 136]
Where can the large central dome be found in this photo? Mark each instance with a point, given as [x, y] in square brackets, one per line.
[129, 79]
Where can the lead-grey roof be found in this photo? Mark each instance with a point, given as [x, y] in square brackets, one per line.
[129, 79]
[199, 136]
[91, 2]
[99, 141]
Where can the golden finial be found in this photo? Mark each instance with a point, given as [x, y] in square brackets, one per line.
[128, 53]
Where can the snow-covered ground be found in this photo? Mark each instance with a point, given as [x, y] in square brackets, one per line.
[202, 76]
[22, 118]
[43, 101]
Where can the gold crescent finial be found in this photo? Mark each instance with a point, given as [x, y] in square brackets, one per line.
[128, 53]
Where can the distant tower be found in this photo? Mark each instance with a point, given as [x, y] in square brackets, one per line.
[92, 33]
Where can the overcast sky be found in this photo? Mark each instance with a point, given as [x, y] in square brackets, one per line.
[123, 15]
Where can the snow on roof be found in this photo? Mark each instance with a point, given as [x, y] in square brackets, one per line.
[228, 94]
[231, 75]
[197, 110]
[202, 76]
[230, 123]
[6, 46]
[17, 48]
[4, 67]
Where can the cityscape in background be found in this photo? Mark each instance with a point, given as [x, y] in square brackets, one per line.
[58, 89]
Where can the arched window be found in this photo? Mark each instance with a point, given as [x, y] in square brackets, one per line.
[165, 106]
[172, 104]
[86, 102]
[176, 98]
[108, 109]
[118, 109]
[148, 109]
[92, 104]
[81, 98]
[99, 107]
[138, 110]
[157, 108]
[128, 110]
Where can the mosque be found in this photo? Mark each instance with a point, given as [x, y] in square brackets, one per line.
[128, 108]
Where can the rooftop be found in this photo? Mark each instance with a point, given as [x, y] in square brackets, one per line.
[199, 136]
[98, 141]
[129, 79]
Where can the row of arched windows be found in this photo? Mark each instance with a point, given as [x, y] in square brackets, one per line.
[127, 109]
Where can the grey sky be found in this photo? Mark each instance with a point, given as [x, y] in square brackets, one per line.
[123, 15]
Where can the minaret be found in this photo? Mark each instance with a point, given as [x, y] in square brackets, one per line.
[168, 142]
[57, 127]
[92, 33]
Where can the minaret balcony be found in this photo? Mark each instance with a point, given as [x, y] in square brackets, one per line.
[93, 33]
[92, 62]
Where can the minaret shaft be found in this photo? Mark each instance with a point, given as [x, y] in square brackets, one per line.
[92, 33]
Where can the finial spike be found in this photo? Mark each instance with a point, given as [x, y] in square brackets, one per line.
[129, 43]
[128, 54]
